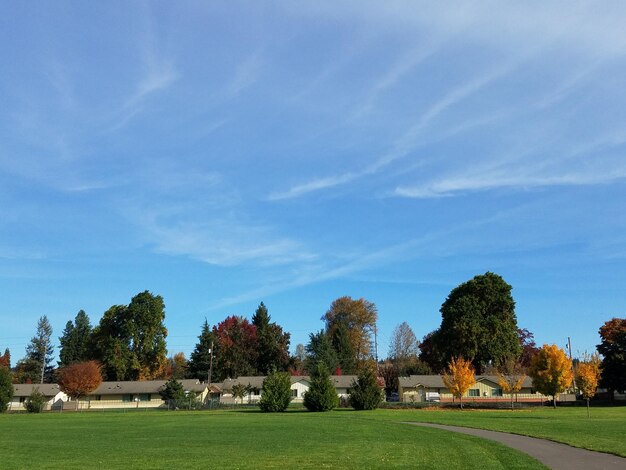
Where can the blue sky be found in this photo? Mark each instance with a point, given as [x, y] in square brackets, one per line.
[221, 154]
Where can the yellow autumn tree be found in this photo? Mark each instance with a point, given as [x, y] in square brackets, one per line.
[511, 378]
[551, 371]
[587, 377]
[459, 377]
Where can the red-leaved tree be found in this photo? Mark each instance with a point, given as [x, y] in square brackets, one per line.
[80, 379]
[236, 348]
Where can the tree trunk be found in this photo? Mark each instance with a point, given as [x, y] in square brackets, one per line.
[588, 416]
[554, 401]
[511, 401]
[461, 401]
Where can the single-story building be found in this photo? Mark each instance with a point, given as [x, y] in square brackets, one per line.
[141, 394]
[422, 388]
[299, 385]
[54, 396]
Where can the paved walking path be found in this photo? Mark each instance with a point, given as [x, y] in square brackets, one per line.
[552, 454]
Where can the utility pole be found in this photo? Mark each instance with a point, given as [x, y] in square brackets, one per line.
[211, 364]
[376, 345]
[43, 359]
[569, 346]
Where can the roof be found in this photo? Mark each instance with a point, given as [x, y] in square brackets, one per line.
[339, 381]
[144, 386]
[435, 381]
[24, 390]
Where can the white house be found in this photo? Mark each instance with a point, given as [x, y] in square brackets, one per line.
[54, 396]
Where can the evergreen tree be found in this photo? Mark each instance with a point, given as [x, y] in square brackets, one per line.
[200, 359]
[172, 390]
[273, 343]
[39, 353]
[365, 393]
[76, 341]
[276, 394]
[343, 347]
[321, 395]
[5, 359]
[6, 388]
[320, 349]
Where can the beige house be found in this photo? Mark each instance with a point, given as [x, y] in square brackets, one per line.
[54, 396]
[140, 394]
[299, 386]
[423, 388]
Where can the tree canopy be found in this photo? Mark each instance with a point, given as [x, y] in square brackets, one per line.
[200, 359]
[37, 367]
[76, 341]
[130, 340]
[273, 343]
[236, 348]
[551, 371]
[479, 322]
[613, 350]
[79, 378]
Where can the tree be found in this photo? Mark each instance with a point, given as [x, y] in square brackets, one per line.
[366, 392]
[200, 359]
[273, 343]
[529, 347]
[5, 359]
[130, 340]
[430, 354]
[240, 391]
[80, 378]
[276, 394]
[588, 377]
[6, 388]
[172, 390]
[178, 366]
[478, 322]
[342, 345]
[236, 347]
[404, 343]
[459, 377]
[321, 395]
[35, 402]
[359, 318]
[613, 351]
[511, 378]
[76, 341]
[551, 371]
[320, 349]
[40, 350]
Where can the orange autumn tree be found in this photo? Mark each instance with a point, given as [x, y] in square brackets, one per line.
[511, 378]
[551, 371]
[588, 376]
[459, 377]
[80, 379]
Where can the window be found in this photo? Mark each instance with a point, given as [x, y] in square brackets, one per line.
[127, 397]
[98, 397]
[496, 392]
[294, 393]
[144, 397]
[473, 392]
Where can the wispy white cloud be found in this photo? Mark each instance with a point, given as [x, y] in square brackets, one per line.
[407, 142]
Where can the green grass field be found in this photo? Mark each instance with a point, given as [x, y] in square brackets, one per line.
[604, 431]
[241, 439]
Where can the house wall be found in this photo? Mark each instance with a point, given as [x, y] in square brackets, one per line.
[17, 403]
[487, 392]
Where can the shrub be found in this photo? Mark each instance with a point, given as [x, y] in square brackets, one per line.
[322, 395]
[35, 401]
[6, 389]
[276, 394]
[366, 393]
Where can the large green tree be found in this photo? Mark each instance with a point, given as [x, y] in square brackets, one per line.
[276, 394]
[343, 347]
[76, 341]
[130, 339]
[273, 343]
[613, 351]
[320, 349]
[200, 359]
[479, 322]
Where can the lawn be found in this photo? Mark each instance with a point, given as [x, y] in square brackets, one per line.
[604, 431]
[241, 439]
